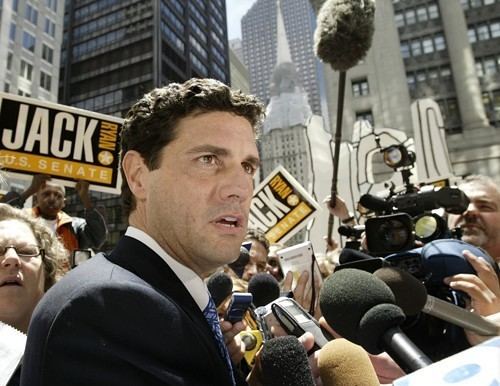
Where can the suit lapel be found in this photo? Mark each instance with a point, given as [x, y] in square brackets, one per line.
[139, 259]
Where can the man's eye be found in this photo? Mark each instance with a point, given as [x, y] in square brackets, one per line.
[249, 168]
[208, 159]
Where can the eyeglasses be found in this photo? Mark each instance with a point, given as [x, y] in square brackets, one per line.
[25, 251]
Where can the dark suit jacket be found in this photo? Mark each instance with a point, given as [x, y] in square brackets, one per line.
[123, 319]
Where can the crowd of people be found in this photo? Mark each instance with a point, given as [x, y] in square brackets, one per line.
[142, 314]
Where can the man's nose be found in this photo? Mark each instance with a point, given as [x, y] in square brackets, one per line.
[238, 185]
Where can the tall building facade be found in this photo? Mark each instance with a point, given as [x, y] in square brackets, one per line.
[30, 45]
[259, 37]
[446, 50]
[116, 50]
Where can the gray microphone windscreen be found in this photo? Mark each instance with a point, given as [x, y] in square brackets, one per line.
[344, 32]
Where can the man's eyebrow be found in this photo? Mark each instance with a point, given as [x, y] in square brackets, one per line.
[207, 148]
[217, 150]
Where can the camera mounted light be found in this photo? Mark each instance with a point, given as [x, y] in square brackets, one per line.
[397, 156]
[429, 226]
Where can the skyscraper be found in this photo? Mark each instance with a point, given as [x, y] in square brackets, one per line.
[30, 43]
[446, 50]
[116, 50]
[259, 46]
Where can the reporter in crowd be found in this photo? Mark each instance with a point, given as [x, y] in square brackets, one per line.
[142, 315]
[30, 261]
[75, 232]
[480, 223]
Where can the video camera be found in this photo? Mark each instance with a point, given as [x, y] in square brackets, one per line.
[404, 217]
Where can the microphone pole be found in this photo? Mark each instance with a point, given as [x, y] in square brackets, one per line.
[338, 138]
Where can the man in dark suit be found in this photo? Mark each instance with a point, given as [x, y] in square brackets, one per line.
[139, 316]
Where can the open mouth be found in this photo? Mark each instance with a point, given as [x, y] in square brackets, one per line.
[10, 282]
[230, 222]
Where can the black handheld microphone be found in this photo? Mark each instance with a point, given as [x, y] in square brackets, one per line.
[264, 288]
[220, 287]
[238, 266]
[284, 362]
[362, 309]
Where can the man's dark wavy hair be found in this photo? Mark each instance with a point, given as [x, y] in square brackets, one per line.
[150, 123]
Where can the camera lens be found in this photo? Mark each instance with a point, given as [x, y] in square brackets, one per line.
[395, 234]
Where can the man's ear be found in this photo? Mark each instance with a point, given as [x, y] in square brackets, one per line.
[135, 171]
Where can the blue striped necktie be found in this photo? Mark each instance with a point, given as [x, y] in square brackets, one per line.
[210, 313]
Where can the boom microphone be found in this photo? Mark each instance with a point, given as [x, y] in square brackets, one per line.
[342, 363]
[264, 288]
[284, 362]
[220, 287]
[344, 32]
[361, 308]
[411, 295]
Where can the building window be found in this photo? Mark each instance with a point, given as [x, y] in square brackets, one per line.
[26, 70]
[439, 42]
[29, 41]
[495, 29]
[416, 48]
[365, 116]
[410, 17]
[399, 19]
[427, 46]
[360, 88]
[47, 53]
[433, 11]
[471, 33]
[6, 87]
[9, 60]
[52, 4]
[50, 27]
[12, 32]
[483, 32]
[31, 14]
[45, 81]
[15, 5]
[422, 14]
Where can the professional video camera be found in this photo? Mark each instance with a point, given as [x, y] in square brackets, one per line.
[406, 216]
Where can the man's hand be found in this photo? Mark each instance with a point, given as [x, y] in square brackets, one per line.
[82, 189]
[37, 182]
[302, 293]
[340, 210]
[483, 289]
[235, 346]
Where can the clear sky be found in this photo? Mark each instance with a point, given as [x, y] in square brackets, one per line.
[235, 11]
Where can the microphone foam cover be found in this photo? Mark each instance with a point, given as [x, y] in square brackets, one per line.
[344, 32]
[410, 293]
[220, 287]
[342, 363]
[347, 295]
[264, 288]
[284, 362]
[375, 323]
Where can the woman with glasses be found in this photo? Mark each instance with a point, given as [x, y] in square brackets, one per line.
[30, 257]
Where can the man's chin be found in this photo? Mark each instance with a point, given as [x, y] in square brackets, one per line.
[474, 239]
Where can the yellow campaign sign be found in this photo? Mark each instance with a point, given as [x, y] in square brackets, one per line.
[64, 142]
[55, 167]
[281, 206]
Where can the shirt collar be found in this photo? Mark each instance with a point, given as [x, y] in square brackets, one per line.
[193, 283]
